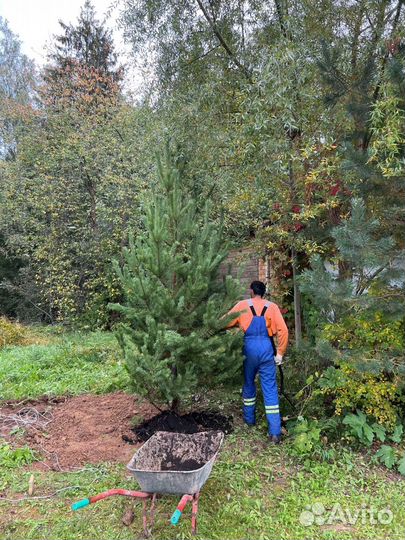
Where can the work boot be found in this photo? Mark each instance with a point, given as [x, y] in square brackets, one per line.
[275, 439]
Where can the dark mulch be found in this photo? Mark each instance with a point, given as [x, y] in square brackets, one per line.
[193, 422]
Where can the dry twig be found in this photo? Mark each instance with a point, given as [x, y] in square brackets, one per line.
[40, 496]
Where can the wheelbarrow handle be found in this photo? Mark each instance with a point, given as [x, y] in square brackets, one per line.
[179, 510]
[80, 504]
[110, 493]
[175, 517]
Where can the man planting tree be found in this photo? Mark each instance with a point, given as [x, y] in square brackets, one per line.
[260, 320]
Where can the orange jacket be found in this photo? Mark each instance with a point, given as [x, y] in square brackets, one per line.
[274, 320]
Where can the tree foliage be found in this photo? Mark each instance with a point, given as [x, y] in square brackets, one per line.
[17, 83]
[73, 189]
[283, 111]
[174, 299]
[83, 64]
[362, 311]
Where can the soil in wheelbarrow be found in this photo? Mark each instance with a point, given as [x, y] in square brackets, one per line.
[167, 451]
[192, 422]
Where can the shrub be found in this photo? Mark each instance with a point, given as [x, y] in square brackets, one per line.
[373, 394]
[369, 331]
[11, 333]
[306, 435]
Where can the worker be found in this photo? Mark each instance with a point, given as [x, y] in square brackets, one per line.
[261, 320]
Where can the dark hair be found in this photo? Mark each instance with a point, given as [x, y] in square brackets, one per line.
[258, 287]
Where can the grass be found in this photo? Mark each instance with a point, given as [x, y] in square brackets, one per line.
[70, 364]
[254, 491]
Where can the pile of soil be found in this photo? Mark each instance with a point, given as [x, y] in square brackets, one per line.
[82, 429]
[167, 451]
[70, 432]
[193, 422]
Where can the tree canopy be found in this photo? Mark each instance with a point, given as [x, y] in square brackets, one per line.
[284, 113]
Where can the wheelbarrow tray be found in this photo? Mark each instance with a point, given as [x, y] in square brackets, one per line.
[165, 450]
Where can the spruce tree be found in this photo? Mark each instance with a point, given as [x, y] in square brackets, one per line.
[83, 64]
[362, 310]
[175, 302]
[88, 42]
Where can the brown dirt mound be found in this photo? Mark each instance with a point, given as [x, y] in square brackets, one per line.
[82, 429]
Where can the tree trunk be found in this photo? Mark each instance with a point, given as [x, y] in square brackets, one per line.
[297, 300]
[175, 404]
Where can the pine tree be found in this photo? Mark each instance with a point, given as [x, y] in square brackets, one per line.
[175, 301]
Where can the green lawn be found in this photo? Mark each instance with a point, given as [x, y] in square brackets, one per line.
[255, 490]
[70, 364]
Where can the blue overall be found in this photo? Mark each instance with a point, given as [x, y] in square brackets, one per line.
[259, 351]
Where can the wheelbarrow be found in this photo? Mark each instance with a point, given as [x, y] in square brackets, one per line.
[174, 463]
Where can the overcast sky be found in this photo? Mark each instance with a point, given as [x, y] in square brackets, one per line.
[36, 21]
